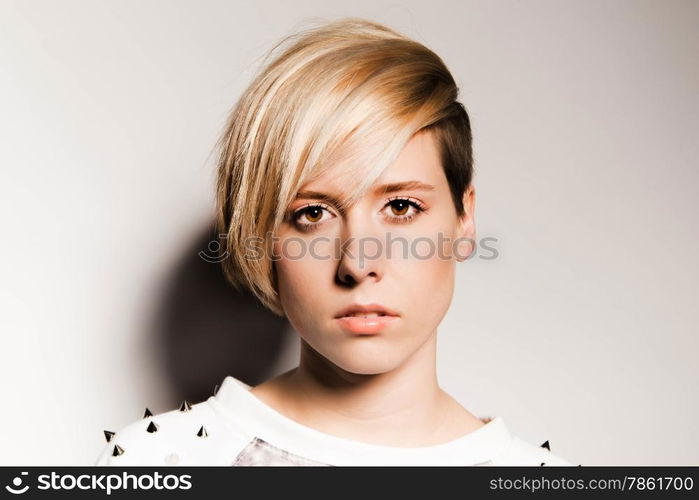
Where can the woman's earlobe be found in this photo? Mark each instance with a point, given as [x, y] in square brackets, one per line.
[465, 243]
[464, 248]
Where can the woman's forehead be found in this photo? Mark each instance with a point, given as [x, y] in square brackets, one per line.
[417, 166]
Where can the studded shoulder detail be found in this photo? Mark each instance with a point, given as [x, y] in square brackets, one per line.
[175, 437]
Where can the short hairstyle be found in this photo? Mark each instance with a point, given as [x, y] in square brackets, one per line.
[350, 92]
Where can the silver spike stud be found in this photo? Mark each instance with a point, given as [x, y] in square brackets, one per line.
[108, 435]
[215, 389]
[147, 413]
[185, 406]
[118, 450]
[202, 432]
[152, 427]
[545, 444]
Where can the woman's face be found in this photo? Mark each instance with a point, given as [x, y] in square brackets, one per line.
[395, 249]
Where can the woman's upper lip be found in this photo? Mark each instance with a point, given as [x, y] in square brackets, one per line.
[366, 308]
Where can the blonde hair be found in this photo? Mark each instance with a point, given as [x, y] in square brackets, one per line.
[349, 92]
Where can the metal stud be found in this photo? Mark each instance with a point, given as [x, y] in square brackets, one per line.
[147, 413]
[215, 389]
[545, 444]
[152, 427]
[118, 450]
[202, 432]
[185, 406]
[108, 435]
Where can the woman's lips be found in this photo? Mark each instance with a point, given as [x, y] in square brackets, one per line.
[364, 325]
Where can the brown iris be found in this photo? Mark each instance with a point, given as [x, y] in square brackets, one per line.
[314, 214]
[400, 211]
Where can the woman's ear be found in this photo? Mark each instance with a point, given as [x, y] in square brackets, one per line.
[466, 232]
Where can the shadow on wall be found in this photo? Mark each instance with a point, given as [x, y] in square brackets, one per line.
[204, 329]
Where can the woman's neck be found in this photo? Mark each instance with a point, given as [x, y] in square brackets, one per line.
[404, 407]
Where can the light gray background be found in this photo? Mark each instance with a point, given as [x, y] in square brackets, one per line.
[585, 118]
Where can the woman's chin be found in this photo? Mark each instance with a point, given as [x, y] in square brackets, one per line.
[366, 361]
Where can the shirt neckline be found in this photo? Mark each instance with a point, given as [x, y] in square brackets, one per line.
[260, 420]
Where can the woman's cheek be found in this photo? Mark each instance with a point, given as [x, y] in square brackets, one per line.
[431, 274]
[294, 278]
[302, 287]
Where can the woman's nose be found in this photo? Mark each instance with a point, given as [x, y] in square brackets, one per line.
[362, 253]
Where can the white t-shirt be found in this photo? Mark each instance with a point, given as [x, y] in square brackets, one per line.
[234, 427]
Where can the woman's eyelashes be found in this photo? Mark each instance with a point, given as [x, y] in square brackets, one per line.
[399, 210]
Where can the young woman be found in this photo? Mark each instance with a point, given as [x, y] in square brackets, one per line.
[345, 196]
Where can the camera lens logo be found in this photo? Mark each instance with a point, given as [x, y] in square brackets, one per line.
[17, 482]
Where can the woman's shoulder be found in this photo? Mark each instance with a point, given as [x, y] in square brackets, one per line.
[523, 453]
[188, 435]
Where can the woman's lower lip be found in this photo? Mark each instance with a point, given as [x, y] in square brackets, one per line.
[358, 324]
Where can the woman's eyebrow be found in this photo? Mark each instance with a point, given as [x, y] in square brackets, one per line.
[381, 189]
[308, 195]
[403, 186]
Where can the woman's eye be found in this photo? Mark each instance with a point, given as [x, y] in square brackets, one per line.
[311, 215]
[403, 209]
[396, 210]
